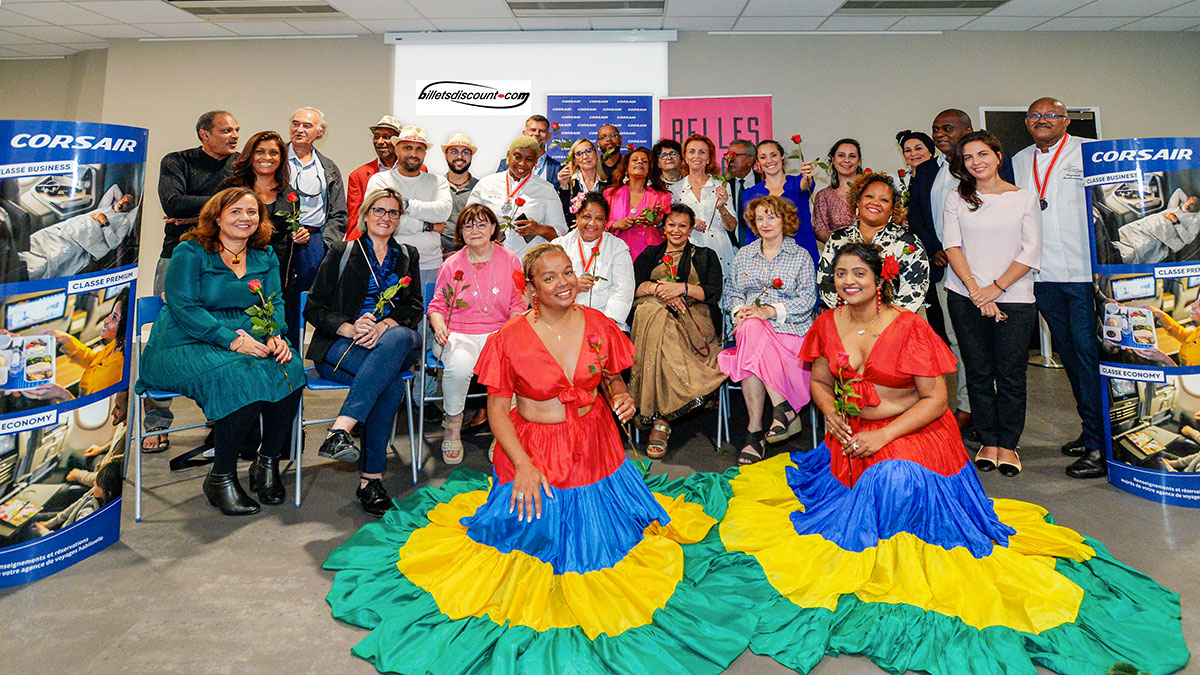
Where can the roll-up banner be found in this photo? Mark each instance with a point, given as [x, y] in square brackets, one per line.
[1143, 198]
[721, 118]
[70, 218]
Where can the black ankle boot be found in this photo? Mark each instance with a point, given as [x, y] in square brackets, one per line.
[224, 492]
[374, 499]
[265, 480]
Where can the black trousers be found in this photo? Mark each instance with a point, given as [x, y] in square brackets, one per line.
[230, 432]
[995, 355]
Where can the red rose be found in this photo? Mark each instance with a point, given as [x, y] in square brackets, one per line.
[869, 170]
[667, 259]
[291, 197]
[729, 156]
[520, 201]
[518, 278]
[405, 281]
[458, 275]
[901, 173]
[554, 126]
[890, 267]
[255, 285]
[593, 340]
[842, 360]
[796, 139]
[631, 147]
[777, 283]
[909, 250]
[596, 249]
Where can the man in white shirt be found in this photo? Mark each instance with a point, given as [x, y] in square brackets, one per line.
[427, 199]
[527, 207]
[1052, 169]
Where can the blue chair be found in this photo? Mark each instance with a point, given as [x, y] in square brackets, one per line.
[430, 366]
[317, 383]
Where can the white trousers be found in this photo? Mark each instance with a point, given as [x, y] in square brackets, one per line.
[459, 355]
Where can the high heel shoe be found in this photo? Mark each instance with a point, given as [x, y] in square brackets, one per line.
[982, 463]
[225, 493]
[1009, 469]
[264, 480]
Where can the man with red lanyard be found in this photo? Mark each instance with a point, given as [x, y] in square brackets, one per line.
[1052, 168]
[528, 208]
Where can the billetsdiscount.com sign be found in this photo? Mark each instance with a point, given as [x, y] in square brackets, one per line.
[477, 97]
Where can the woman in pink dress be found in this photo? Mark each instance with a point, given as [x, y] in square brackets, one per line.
[637, 201]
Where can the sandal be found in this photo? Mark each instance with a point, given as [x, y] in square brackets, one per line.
[452, 452]
[161, 444]
[1009, 469]
[790, 427]
[656, 447]
[754, 450]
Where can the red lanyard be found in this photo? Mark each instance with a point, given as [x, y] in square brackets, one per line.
[1045, 182]
[507, 183]
[587, 265]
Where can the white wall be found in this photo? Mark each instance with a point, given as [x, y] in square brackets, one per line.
[625, 68]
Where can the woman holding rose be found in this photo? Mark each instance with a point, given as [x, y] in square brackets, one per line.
[204, 346]
[638, 200]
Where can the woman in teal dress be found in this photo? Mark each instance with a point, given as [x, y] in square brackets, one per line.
[202, 345]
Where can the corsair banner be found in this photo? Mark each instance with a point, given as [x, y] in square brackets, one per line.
[70, 218]
[1143, 198]
[577, 116]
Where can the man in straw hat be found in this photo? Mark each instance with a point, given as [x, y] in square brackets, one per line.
[382, 133]
[459, 153]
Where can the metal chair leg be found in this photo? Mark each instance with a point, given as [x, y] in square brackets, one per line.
[298, 445]
[137, 464]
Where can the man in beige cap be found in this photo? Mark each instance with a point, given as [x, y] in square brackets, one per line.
[459, 153]
[427, 201]
[382, 134]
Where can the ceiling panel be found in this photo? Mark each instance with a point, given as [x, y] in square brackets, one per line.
[558, 23]
[791, 7]
[6, 53]
[705, 7]
[50, 33]
[1188, 9]
[374, 9]
[113, 31]
[140, 11]
[7, 38]
[459, 9]
[1004, 23]
[84, 46]
[930, 22]
[489, 23]
[699, 23]
[1037, 7]
[8, 18]
[1084, 24]
[859, 22]
[778, 23]
[1163, 23]
[397, 25]
[58, 13]
[258, 28]
[1124, 7]
[627, 22]
[47, 50]
[182, 30]
[328, 27]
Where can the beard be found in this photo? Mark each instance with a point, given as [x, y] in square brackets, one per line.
[459, 166]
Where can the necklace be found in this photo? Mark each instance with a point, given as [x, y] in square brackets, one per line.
[550, 326]
[237, 257]
[863, 330]
[458, 186]
[490, 284]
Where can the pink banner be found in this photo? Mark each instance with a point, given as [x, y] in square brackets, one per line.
[721, 118]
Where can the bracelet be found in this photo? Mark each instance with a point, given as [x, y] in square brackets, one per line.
[996, 283]
[233, 347]
[970, 278]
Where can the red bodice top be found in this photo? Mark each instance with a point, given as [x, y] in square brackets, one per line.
[907, 348]
[515, 361]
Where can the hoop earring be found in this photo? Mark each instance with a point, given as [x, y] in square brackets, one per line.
[535, 308]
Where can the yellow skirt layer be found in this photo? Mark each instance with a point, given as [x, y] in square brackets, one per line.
[467, 578]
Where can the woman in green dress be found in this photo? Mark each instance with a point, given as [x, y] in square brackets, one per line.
[203, 345]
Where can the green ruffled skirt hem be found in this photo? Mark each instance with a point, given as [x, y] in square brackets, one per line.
[703, 627]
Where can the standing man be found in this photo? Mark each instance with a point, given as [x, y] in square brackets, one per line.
[527, 207]
[382, 134]
[537, 127]
[608, 138]
[1052, 168]
[741, 164]
[427, 201]
[186, 181]
[459, 153]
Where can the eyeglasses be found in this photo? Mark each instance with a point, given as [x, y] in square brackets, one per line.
[1053, 117]
[455, 152]
[607, 137]
[476, 225]
[584, 152]
[668, 154]
[380, 212]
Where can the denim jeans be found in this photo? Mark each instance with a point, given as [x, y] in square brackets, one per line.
[1070, 311]
[376, 390]
[996, 355]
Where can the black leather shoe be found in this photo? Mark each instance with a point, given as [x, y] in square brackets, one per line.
[1073, 448]
[339, 446]
[225, 493]
[265, 480]
[374, 499]
[1091, 465]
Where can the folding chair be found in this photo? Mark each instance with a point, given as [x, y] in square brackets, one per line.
[723, 411]
[317, 383]
[431, 365]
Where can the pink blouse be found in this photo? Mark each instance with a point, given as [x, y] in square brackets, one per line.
[490, 292]
[830, 211]
[1007, 228]
[638, 237]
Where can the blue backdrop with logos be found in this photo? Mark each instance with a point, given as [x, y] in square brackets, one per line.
[580, 115]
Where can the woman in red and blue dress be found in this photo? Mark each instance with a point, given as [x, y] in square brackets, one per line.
[565, 560]
[881, 542]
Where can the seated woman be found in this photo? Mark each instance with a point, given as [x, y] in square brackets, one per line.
[601, 261]
[882, 542]
[676, 313]
[581, 173]
[488, 276]
[770, 291]
[563, 556]
[204, 347]
[637, 200]
[364, 305]
[102, 367]
[879, 219]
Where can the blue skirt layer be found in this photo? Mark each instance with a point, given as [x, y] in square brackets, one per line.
[890, 497]
[582, 528]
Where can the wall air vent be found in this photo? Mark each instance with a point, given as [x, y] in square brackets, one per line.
[232, 10]
[527, 9]
[919, 7]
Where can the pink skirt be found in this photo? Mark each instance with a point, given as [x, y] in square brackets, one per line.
[770, 356]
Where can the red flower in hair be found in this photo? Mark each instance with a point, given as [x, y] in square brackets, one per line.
[631, 147]
[777, 283]
[519, 201]
[890, 267]
[797, 140]
[458, 275]
[869, 170]
[518, 281]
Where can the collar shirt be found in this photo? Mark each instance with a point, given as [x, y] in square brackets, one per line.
[751, 278]
[943, 184]
[612, 294]
[1066, 251]
[541, 204]
[308, 180]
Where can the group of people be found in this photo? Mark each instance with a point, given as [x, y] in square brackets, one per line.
[631, 283]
